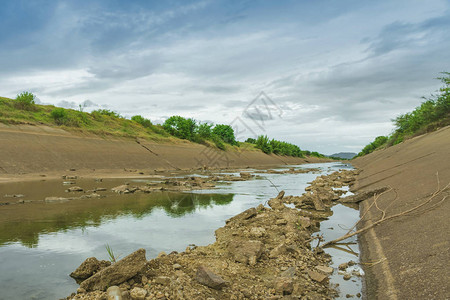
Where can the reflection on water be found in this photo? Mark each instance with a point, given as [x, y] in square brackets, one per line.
[40, 244]
[48, 218]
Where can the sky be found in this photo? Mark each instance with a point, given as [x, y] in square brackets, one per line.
[328, 76]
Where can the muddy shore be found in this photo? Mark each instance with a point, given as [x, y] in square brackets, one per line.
[262, 253]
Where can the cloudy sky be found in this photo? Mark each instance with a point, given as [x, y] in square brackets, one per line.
[326, 75]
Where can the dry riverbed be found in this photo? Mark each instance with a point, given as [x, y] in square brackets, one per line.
[261, 253]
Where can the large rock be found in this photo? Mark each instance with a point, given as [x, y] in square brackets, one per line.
[208, 278]
[117, 273]
[284, 286]
[247, 252]
[245, 215]
[277, 202]
[138, 293]
[89, 267]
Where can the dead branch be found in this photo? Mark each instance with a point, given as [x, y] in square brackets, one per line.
[370, 206]
[384, 218]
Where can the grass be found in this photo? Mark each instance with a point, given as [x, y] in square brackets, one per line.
[76, 121]
[111, 255]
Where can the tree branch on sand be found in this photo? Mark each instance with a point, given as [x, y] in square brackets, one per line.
[383, 212]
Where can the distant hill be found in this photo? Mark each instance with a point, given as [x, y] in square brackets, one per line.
[345, 155]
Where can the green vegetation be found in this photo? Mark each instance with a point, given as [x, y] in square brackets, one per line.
[102, 122]
[105, 122]
[111, 255]
[276, 147]
[198, 132]
[432, 114]
[25, 101]
[143, 121]
[225, 132]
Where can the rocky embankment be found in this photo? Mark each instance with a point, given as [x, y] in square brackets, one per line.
[261, 253]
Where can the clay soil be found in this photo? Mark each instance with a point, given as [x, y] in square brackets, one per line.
[407, 257]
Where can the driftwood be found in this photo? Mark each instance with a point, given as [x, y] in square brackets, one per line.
[383, 216]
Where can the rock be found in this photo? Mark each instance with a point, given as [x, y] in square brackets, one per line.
[363, 196]
[316, 276]
[176, 266]
[277, 202]
[207, 277]
[161, 254]
[325, 270]
[318, 204]
[284, 286]
[163, 280]
[81, 291]
[124, 189]
[281, 222]
[257, 231]
[246, 175]
[138, 293]
[289, 272]
[305, 222]
[117, 273]
[74, 189]
[343, 266]
[114, 293]
[245, 215]
[55, 199]
[247, 252]
[347, 276]
[89, 267]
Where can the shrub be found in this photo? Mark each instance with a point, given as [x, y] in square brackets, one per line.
[226, 133]
[25, 101]
[262, 142]
[106, 112]
[143, 121]
[59, 115]
[218, 142]
[250, 141]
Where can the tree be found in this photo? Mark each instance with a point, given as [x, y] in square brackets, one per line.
[181, 127]
[226, 133]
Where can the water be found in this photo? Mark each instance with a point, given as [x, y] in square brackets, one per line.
[40, 244]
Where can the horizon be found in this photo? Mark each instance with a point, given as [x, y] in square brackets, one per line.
[326, 77]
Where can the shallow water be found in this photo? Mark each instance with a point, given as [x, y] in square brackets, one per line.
[40, 244]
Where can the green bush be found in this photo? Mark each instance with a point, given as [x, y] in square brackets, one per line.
[106, 112]
[204, 130]
[59, 115]
[250, 141]
[262, 142]
[25, 101]
[143, 121]
[226, 133]
[181, 127]
[218, 142]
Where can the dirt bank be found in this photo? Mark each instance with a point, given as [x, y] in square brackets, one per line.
[407, 257]
[33, 151]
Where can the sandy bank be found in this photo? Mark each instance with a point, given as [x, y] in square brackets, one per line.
[34, 151]
[408, 256]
